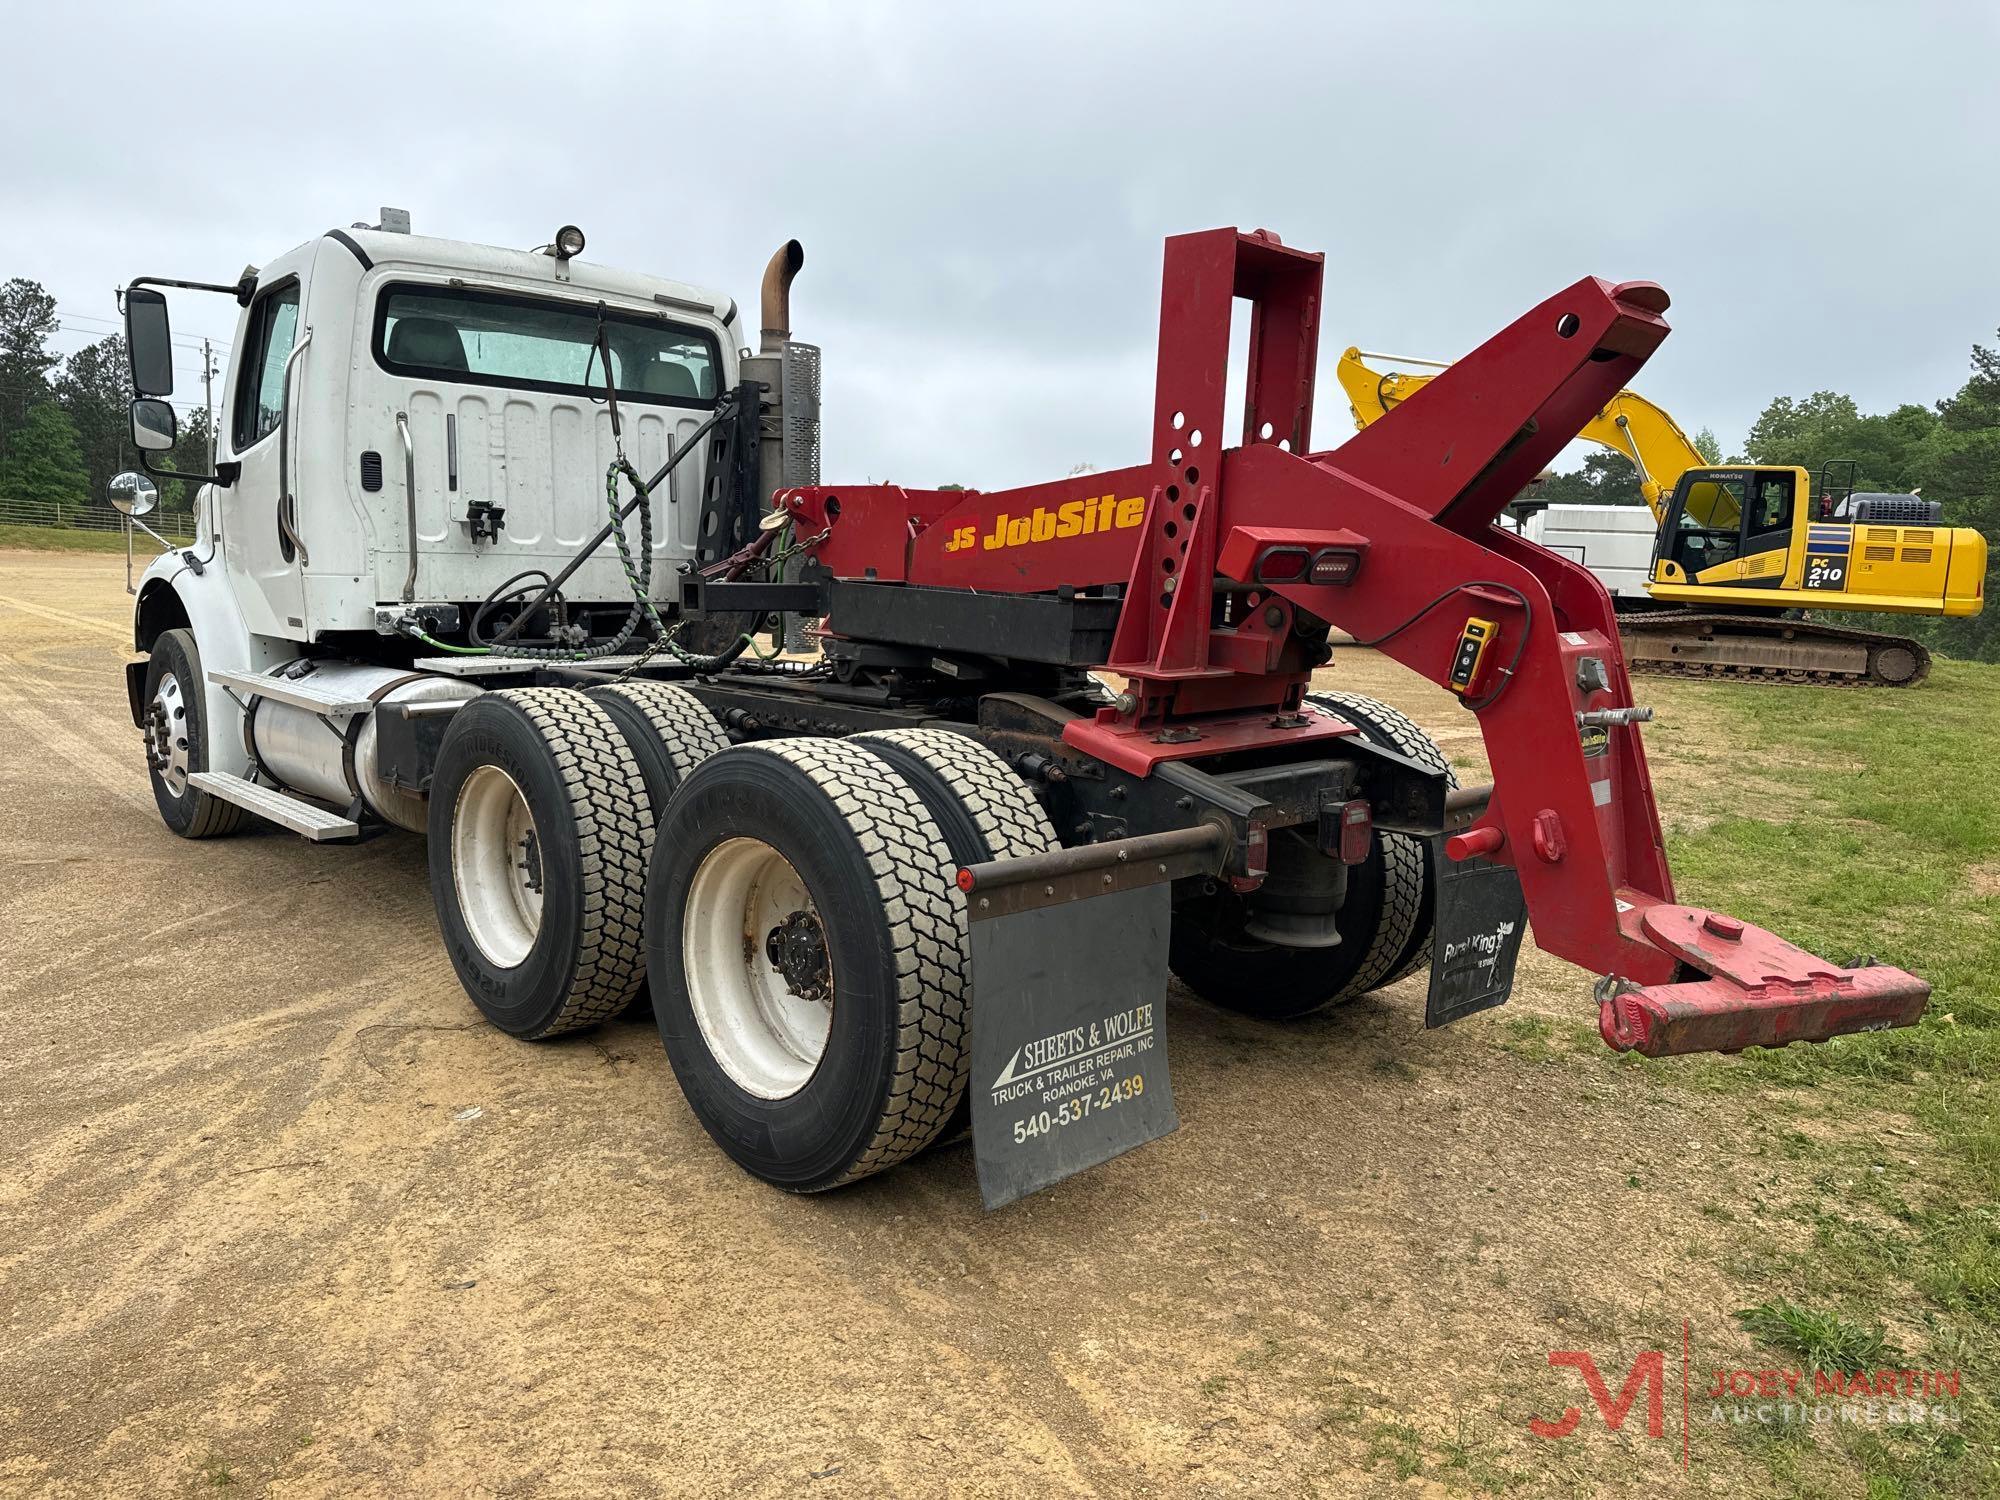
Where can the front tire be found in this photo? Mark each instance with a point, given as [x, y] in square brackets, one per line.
[808, 961]
[540, 831]
[177, 743]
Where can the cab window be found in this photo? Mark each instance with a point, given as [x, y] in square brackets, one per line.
[260, 388]
[487, 338]
[1714, 504]
[1772, 508]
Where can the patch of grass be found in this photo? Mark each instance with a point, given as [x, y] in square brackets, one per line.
[1264, 1354]
[1863, 823]
[1338, 1415]
[62, 539]
[1465, 1461]
[1884, 859]
[1400, 1444]
[1820, 1340]
[1534, 1038]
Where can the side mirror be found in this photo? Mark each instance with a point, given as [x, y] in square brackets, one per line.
[154, 428]
[134, 493]
[149, 341]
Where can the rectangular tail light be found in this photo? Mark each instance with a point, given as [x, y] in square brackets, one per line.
[1335, 565]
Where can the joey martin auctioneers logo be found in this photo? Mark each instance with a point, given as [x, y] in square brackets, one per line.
[1768, 1396]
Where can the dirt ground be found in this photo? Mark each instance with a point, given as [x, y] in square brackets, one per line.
[280, 1214]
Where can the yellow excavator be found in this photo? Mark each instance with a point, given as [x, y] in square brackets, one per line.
[1739, 552]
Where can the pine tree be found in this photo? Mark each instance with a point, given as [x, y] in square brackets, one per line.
[95, 389]
[27, 321]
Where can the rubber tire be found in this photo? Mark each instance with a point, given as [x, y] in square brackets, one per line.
[1398, 732]
[193, 814]
[595, 825]
[1385, 922]
[669, 730]
[1209, 952]
[983, 809]
[872, 857]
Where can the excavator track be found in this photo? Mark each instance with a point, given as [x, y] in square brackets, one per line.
[1769, 648]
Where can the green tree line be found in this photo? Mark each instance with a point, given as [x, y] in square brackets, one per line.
[63, 427]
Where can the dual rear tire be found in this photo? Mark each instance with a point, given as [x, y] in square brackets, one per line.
[807, 944]
[790, 906]
[540, 828]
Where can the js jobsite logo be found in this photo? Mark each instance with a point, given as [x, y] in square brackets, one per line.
[1675, 1399]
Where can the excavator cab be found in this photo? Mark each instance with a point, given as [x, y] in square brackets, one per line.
[1728, 527]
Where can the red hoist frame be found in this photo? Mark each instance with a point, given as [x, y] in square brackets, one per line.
[1397, 522]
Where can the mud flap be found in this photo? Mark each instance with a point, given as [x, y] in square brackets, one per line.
[1481, 918]
[1069, 1045]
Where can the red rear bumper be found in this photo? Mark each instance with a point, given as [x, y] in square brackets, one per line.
[1758, 991]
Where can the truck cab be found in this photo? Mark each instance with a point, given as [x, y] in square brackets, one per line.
[420, 439]
[411, 421]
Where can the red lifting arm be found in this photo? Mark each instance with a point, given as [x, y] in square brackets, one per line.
[1389, 537]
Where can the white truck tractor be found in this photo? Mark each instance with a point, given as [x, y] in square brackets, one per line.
[422, 449]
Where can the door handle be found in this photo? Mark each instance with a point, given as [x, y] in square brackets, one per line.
[285, 503]
[409, 501]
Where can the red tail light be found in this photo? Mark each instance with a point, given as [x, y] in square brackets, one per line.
[1283, 565]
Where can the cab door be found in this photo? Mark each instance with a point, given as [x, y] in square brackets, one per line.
[262, 543]
[1767, 529]
[1702, 539]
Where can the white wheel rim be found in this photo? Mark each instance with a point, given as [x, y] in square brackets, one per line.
[167, 735]
[765, 1035]
[497, 866]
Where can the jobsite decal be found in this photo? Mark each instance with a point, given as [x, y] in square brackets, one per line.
[1072, 518]
[1741, 1396]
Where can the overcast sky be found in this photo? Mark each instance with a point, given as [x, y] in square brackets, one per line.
[982, 190]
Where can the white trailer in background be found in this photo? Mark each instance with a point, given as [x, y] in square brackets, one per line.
[1614, 541]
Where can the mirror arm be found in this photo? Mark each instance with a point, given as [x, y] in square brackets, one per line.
[165, 545]
[224, 475]
[240, 290]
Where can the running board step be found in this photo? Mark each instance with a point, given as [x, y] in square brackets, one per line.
[306, 819]
[300, 692]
